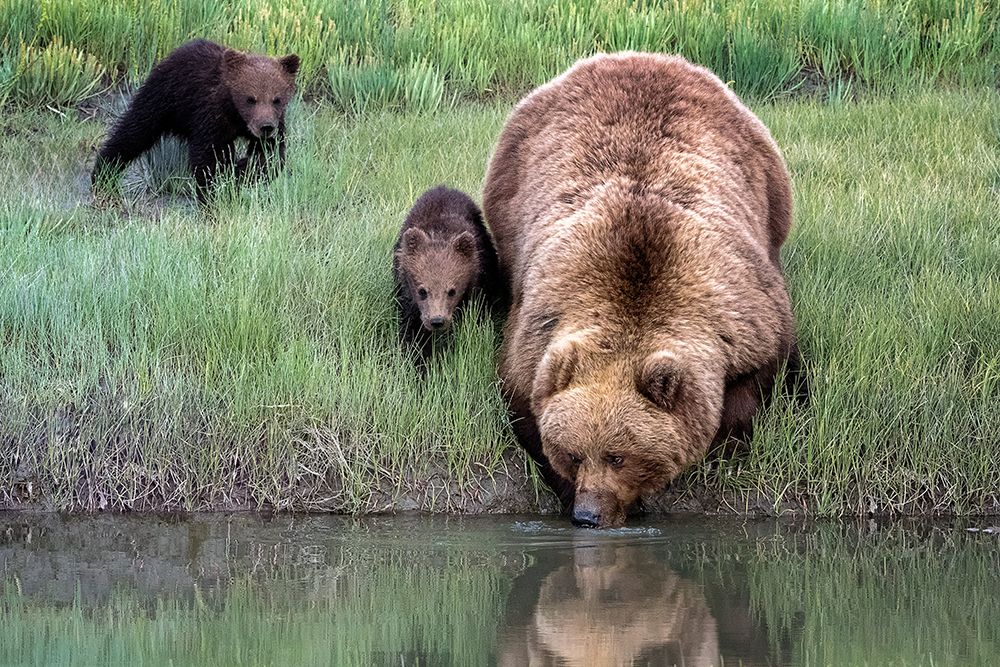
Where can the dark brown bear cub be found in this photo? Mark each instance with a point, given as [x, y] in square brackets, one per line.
[444, 257]
[211, 96]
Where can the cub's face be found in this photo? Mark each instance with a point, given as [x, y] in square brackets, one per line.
[619, 426]
[438, 274]
[260, 88]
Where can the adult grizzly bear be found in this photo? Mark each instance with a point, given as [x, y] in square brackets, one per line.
[211, 96]
[638, 209]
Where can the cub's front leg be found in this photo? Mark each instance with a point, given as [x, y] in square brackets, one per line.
[254, 165]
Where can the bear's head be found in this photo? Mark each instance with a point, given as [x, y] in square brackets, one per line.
[260, 88]
[439, 272]
[619, 425]
[655, 311]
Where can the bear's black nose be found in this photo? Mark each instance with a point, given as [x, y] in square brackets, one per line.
[436, 322]
[266, 130]
[586, 518]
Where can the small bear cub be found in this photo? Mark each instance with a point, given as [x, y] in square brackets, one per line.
[444, 257]
[210, 96]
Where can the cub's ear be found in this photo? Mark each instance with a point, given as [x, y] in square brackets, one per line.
[464, 244]
[290, 63]
[232, 60]
[413, 240]
[659, 379]
[556, 369]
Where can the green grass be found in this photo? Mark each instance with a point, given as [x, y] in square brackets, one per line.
[155, 356]
[158, 355]
[419, 54]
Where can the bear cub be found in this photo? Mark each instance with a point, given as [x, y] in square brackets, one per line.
[444, 256]
[210, 96]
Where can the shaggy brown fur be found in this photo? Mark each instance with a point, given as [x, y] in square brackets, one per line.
[444, 256]
[638, 210]
[211, 96]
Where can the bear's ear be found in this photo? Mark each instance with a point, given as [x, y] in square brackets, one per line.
[290, 63]
[464, 244]
[413, 240]
[232, 60]
[556, 369]
[659, 379]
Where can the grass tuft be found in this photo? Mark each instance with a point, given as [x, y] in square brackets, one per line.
[394, 53]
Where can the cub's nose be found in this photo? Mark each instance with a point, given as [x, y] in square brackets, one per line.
[586, 518]
[436, 322]
[266, 130]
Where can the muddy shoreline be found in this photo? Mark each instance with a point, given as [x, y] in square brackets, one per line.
[509, 487]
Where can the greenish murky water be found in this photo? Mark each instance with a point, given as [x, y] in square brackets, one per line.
[220, 590]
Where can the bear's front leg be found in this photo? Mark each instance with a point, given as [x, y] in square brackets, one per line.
[206, 158]
[254, 164]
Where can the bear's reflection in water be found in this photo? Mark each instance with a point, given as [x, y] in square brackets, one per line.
[610, 605]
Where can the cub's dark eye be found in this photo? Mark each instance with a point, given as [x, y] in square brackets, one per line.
[251, 101]
[575, 460]
[451, 292]
[615, 461]
[422, 293]
[277, 101]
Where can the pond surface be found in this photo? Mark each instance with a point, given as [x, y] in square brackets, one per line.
[323, 590]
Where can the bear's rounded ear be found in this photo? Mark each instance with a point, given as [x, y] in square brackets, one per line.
[290, 63]
[556, 369]
[233, 60]
[659, 379]
[464, 244]
[413, 240]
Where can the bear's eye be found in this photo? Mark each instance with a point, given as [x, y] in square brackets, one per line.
[277, 101]
[614, 460]
[451, 292]
[251, 100]
[575, 460]
[422, 293]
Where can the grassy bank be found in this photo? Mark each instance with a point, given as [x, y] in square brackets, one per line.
[424, 54]
[158, 357]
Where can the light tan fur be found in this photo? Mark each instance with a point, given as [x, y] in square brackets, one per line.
[638, 209]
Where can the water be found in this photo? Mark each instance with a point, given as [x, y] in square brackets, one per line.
[326, 590]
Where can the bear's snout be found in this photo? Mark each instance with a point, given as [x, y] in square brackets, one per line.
[437, 323]
[263, 129]
[586, 517]
[596, 509]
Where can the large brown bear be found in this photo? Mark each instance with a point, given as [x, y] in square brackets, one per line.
[211, 96]
[638, 209]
